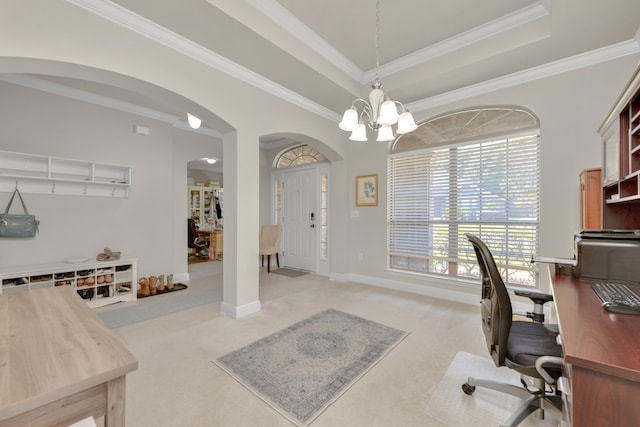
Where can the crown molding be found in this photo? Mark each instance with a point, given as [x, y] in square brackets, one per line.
[103, 101]
[607, 53]
[462, 40]
[146, 28]
[123, 17]
[84, 96]
[289, 23]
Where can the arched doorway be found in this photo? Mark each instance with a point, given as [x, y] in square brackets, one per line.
[300, 183]
[155, 114]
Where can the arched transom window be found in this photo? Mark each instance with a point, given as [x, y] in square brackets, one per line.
[299, 155]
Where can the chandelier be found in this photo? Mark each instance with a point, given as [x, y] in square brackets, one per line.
[380, 113]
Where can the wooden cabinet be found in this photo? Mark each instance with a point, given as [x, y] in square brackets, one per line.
[217, 243]
[97, 282]
[591, 199]
[52, 175]
[202, 205]
[621, 135]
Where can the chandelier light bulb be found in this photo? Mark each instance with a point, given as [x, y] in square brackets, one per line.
[388, 113]
[349, 121]
[385, 133]
[406, 123]
[359, 134]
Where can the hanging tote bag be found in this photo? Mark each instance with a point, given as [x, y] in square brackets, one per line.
[17, 225]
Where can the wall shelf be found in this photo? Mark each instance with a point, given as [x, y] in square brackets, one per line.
[52, 175]
[621, 183]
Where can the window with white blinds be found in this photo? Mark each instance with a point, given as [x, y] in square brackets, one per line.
[489, 188]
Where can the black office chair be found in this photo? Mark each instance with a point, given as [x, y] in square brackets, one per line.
[197, 242]
[529, 348]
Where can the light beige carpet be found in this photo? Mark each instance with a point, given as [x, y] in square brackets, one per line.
[489, 408]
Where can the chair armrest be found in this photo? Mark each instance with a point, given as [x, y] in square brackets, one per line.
[539, 299]
[543, 361]
[536, 297]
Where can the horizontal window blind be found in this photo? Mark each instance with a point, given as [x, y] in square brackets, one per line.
[488, 188]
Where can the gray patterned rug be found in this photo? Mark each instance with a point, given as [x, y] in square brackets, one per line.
[303, 369]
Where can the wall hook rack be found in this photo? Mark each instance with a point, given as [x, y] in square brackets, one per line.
[37, 174]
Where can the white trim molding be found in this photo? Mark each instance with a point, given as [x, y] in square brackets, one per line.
[127, 19]
[138, 24]
[237, 312]
[465, 294]
[608, 53]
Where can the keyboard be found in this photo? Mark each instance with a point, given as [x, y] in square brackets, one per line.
[617, 298]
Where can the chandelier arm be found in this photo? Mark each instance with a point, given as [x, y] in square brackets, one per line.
[364, 101]
[402, 107]
[366, 109]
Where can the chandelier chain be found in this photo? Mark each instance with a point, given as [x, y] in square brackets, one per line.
[377, 40]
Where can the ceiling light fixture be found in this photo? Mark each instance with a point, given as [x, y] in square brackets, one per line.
[194, 122]
[380, 113]
[211, 161]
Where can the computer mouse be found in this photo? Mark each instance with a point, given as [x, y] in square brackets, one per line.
[620, 308]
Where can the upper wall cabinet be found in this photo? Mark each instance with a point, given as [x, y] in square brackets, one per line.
[51, 175]
[621, 174]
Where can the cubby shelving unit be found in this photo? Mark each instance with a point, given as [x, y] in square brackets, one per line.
[32, 173]
[99, 283]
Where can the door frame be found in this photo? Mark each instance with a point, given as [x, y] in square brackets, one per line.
[321, 169]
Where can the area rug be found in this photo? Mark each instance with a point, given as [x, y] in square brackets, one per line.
[289, 272]
[303, 369]
[151, 308]
[450, 406]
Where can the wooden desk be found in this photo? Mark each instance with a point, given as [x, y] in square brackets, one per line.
[602, 355]
[215, 241]
[58, 362]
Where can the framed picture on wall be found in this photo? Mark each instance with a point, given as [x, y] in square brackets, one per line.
[367, 190]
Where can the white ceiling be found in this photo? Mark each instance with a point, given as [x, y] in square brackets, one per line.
[320, 54]
[324, 50]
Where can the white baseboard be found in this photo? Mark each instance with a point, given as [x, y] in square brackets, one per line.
[237, 312]
[181, 277]
[458, 295]
[463, 294]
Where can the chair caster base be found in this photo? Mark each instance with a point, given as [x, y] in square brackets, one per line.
[468, 389]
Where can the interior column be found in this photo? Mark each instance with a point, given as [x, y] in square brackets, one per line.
[241, 224]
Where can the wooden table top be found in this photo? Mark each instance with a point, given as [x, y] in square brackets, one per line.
[592, 337]
[53, 345]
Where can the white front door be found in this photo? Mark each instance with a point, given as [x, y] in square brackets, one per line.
[300, 219]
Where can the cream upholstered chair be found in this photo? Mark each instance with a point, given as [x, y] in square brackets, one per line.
[270, 243]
